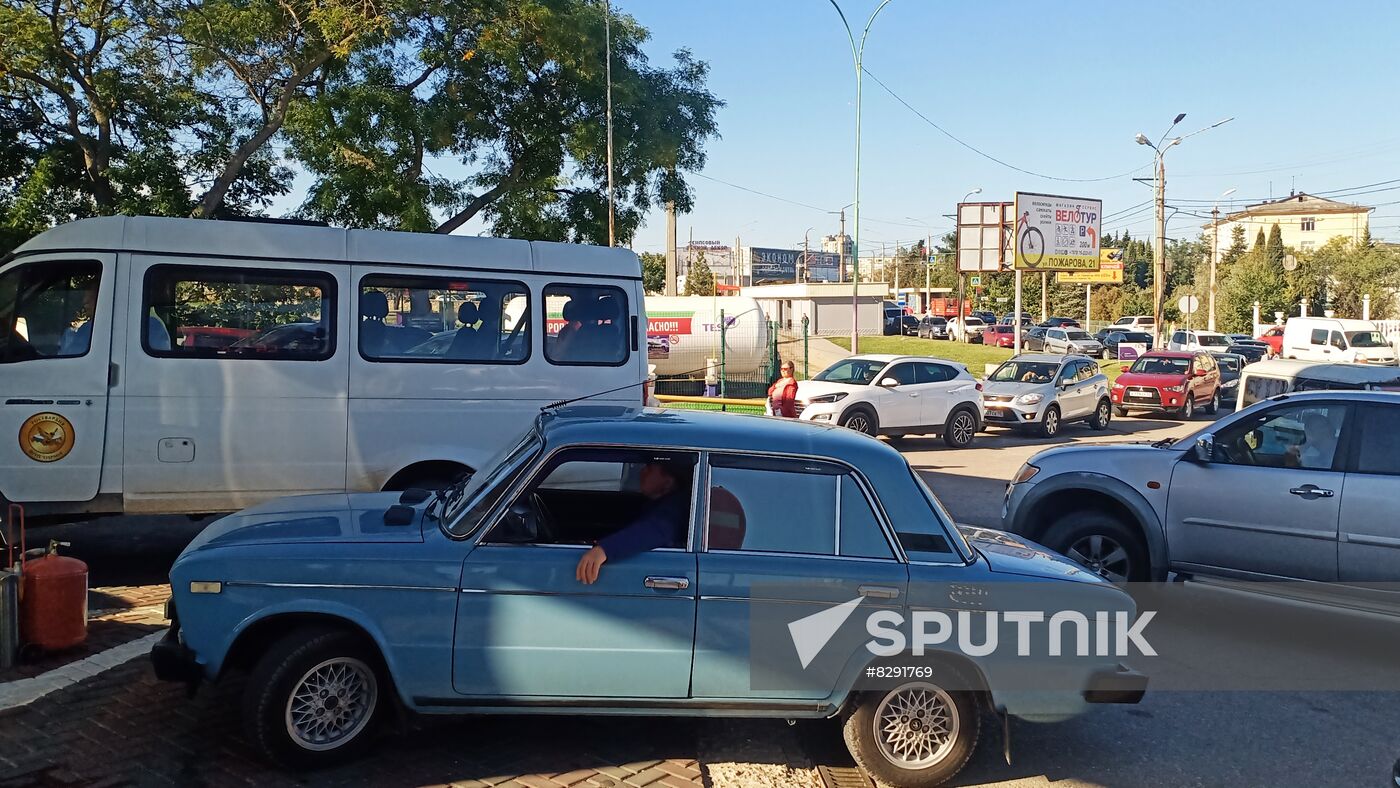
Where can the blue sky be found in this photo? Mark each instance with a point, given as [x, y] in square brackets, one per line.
[1055, 88]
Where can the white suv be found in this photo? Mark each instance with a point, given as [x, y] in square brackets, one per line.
[895, 396]
[1192, 341]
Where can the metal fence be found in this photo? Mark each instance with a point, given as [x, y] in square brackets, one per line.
[738, 361]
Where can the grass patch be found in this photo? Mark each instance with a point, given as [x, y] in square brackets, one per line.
[749, 409]
[975, 357]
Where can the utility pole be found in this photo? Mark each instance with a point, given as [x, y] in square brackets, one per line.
[607, 38]
[1159, 252]
[804, 259]
[1214, 252]
[670, 288]
[1044, 296]
[841, 248]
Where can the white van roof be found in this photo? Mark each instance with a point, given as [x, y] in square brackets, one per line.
[1345, 324]
[1354, 374]
[287, 241]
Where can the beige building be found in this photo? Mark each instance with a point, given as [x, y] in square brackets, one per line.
[1306, 222]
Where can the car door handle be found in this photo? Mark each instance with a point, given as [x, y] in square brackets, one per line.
[878, 592]
[1311, 491]
[667, 583]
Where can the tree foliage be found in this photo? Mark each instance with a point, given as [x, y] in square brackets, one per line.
[653, 273]
[700, 280]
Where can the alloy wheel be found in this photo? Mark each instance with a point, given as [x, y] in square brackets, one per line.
[860, 423]
[963, 429]
[1103, 556]
[331, 703]
[916, 725]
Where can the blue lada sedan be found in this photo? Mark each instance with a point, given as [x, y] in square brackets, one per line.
[618, 561]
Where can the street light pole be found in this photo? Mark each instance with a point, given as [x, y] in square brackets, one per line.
[1214, 254]
[858, 55]
[1159, 247]
[607, 46]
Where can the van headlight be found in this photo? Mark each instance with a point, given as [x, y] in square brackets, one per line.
[1030, 399]
[825, 398]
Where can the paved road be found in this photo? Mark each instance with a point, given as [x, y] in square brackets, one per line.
[1171, 739]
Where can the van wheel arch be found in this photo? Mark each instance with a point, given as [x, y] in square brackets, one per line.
[428, 475]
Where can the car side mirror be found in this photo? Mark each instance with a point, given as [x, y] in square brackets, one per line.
[889, 383]
[1123, 368]
[1205, 448]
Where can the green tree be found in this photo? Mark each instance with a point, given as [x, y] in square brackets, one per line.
[1260, 241]
[653, 273]
[700, 280]
[1353, 270]
[1237, 248]
[1253, 278]
[1273, 248]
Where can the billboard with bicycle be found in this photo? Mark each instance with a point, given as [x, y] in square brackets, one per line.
[1056, 233]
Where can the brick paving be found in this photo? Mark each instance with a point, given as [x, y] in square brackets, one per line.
[122, 727]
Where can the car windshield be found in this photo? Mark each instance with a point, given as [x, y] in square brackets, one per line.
[1212, 340]
[938, 321]
[1025, 372]
[974, 321]
[1136, 337]
[1156, 365]
[467, 507]
[1366, 339]
[1078, 335]
[855, 371]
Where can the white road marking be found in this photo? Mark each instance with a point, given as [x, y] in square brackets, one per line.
[23, 692]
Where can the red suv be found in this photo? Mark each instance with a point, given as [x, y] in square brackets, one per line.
[1176, 382]
[999, 336]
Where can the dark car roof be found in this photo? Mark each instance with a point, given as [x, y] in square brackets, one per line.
[682, 429]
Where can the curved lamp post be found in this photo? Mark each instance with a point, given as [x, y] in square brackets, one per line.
[857, 54]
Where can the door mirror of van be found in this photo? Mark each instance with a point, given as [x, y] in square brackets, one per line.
[1205, 448]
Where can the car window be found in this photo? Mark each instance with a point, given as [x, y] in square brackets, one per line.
[587, 494]
[585, 325]
[1379, 436]
[46, 310]
[1260, 387]
[1024, 372]
[861, 535]
[1078, 335]
[772, 505]
[858, 371]
[1304, 436]
[1087, 370]
[1179, 337]
[904, 374]
[425, 319]
[1335, 339]
[1055, 334]
[934, 373]
[231, 313]
[1319, 336]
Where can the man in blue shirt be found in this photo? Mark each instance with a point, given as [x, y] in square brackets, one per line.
[662, 524]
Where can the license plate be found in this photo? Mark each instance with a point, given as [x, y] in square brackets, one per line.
[1143, 394]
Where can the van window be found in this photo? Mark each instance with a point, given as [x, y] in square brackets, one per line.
[585, 325]
[1260, 387]
[1319, 336]
[218, 312]
[46, 310]
[1337, 341]
[431, 319]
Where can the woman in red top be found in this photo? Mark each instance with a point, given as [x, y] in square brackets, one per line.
[782, 395]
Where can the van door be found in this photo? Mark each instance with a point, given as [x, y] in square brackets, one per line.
[235, 383]
[55, 345]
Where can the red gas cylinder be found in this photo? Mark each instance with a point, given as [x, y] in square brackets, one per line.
[53, 601]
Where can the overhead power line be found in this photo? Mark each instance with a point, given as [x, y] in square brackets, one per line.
[989, 156]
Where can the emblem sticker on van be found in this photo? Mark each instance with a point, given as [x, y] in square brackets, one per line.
[46, 437]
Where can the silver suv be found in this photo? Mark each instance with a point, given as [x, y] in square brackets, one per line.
[1297, 487]
[1043, 391]
[1071, 340]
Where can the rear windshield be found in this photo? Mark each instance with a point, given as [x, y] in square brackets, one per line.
[1155, 365]
[1080, 335]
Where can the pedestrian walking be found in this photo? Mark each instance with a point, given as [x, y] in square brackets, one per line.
[782, 395]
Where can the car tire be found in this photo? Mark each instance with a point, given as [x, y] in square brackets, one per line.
[862, 420]
[1121, 413]
[1214, 406]
[890, 755]
[1188, 410]
[1103, 414]
[1050, 422]
[1094, 540]
[960, 429]
[287, 713]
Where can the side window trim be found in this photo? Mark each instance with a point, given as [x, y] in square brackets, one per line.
[625, 316]
[326, 280]
[525, 318]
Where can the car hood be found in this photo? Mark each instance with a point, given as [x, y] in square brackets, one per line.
[1013, 555]
[806, 389]
[313, 518]
[1013, 388]
[1155, 381]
